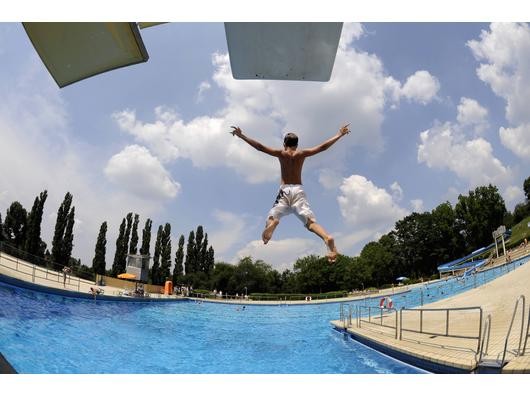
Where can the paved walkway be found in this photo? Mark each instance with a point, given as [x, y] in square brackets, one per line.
[496, 298]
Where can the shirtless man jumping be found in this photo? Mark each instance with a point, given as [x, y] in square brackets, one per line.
[291, 197]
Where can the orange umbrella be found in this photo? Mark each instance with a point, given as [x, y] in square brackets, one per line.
[127, 276]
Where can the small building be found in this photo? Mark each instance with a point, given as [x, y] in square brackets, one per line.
[138, 264]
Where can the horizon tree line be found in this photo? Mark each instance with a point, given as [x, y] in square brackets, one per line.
[416, 245]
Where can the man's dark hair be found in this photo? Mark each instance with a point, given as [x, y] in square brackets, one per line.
[290, 140]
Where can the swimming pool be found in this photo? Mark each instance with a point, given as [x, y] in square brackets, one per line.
[43, 333]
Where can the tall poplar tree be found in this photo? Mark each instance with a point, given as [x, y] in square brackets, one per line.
[133, 247]
[117, 264]
[58, 248]
[15, 225]
[1, 229]
[203, 255]
[189, 263]
[165, 253]
[178, 270]
[98, 263]
[146, 237]
[155, 270]
[210, 260]
[68, 240]
[33, 242]
[199, 235]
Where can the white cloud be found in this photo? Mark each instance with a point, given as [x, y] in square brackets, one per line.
[329, 179]
[34, 125]
[135, 170]
[231, 232]
[451, 146]
[358, 92]
[471, 113]
[282, 254]
[417, 205]
[505, 53]
[203, 87]
[350, 33]
[517, 140]
[397, 191]
[366, 206]
[443, 147]
[421, 87]
[512, 196]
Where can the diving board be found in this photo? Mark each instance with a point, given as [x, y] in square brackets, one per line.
[73, 51]
[303, 51]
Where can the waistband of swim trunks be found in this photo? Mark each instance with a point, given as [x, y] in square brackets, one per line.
[290, 185]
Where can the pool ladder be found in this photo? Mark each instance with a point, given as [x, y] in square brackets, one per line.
[496, 365]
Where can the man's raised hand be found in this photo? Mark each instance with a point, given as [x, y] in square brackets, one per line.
[344, 130]
[236, 131]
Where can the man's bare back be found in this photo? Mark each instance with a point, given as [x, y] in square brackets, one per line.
[292, 198]
[291, 163]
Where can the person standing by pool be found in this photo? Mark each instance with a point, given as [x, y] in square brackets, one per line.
[66, 270]
[291, 197]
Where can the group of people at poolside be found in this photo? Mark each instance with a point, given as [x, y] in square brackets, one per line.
[291, 197]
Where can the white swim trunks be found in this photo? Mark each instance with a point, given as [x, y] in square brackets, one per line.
[292, 199]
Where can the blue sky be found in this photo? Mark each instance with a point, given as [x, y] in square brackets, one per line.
[436, 109]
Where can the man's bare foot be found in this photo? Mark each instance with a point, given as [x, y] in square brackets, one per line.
[269, 229]
[332, 253]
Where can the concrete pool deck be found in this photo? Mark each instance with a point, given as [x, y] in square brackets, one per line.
[440, 353]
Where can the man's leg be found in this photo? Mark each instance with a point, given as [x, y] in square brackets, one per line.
[328, 239]
[270, 226]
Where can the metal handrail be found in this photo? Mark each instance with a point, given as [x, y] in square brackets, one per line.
[47, 272]
[381, 309]
[520, 298]
[527, 333]
[446, 334]
[487, 329]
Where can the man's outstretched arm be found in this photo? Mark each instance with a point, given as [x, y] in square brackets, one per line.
[344, 130]
[257, 145]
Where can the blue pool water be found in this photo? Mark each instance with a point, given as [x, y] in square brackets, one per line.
[43, 333]
[51, 334]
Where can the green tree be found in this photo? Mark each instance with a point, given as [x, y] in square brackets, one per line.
[189, 263]
[133, 248]
[68, 240]
[221, 276]
[33, 243]
[15, 225]
[165, 253]
[155, 270]
[146, 237]
[118, 266]
[178, 270]
[479, 214]
[521, 211]
[199, 235]
[126, 238]
[416, 240]
[448, 242]
[58, 243]
[210, 260]
[526, 188]
[1, 229]
[312, 274]
[203, 255]
[98, 263]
